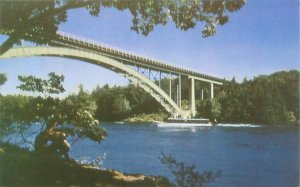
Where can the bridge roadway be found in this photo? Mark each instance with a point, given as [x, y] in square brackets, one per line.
[127, 58]
[127, 64]
[67, 40]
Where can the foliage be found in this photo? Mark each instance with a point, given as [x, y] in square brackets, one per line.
[3, 79]
[51, 86]
[118, 103]
[270, 100]
[203, 108]
[120, 106]
[77, 110]
[111, 103]
[186, 176]
[38, 21]
[142, 118]
[14, 110]
[264, 100]
[216, 109]
[209, 108]
[71, 116]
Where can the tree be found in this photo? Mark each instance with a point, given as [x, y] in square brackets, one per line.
[2, 79]
[209, 108]
[141, 102]
[230, 100]
[38, 21]
[118, 103]
[204, 108]
[13, 109]
[104, 98]
[215, 109]
[3, 126]
[186, 175]
[120, 107]
[58, 118]
[272, 100]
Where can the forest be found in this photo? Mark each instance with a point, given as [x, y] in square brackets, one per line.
[269, 100]
[266, 99]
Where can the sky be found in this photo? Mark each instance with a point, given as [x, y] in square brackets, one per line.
[259, 39]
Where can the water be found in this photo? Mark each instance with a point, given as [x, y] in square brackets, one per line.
[247, 155]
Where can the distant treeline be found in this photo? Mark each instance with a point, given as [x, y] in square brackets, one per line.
[272, 100]
[120, 102]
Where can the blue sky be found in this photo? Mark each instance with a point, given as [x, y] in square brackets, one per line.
[261, 38]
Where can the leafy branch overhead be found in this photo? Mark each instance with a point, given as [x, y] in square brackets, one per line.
[51, 86]
[2, 79]
[38, 21]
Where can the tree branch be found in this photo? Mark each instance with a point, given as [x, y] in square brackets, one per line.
[19, 30]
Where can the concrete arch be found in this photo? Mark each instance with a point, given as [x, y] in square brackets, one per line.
[105, 62]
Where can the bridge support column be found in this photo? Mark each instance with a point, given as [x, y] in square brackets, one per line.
[149, 73]
[192, 97]
[170, 86]
[211, 90]
[159, 83]
[179, 91]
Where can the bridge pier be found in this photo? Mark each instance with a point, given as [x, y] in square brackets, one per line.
[211, 90]
[192, 100]
[179, 91]
[170, 86]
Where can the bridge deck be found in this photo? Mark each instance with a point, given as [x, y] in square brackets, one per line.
[68, 40]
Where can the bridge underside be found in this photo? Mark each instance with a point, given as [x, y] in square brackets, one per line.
[108, 63]
[142, 76]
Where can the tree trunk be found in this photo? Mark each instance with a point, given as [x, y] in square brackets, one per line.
[52, 142]
[7, 44]
[41, 142]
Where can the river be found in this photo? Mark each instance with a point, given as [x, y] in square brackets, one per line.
[247, 155]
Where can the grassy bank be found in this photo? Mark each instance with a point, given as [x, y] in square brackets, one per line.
[21, 167]
[147, 118]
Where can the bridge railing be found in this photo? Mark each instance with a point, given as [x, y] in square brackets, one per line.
[106, 47]
[146, 60]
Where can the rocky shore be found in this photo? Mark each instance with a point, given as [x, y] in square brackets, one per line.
[21, 167]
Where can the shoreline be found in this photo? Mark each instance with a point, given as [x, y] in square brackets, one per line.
[153, 122]
[21, 167]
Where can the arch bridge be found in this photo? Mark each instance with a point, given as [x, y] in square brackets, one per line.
[144, 72]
